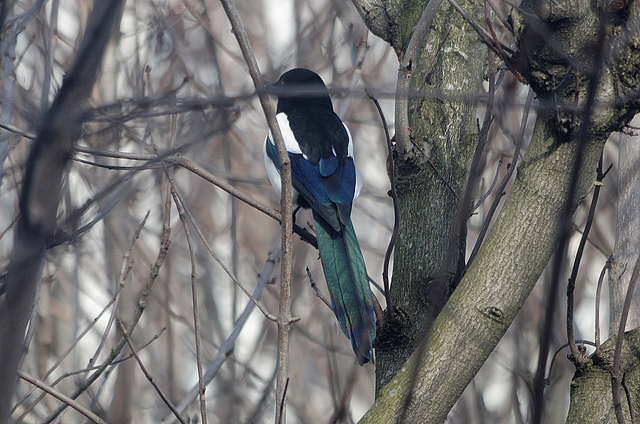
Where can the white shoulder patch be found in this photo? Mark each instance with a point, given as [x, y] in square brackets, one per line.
[291, 145]
[350, 146]
[289, 139]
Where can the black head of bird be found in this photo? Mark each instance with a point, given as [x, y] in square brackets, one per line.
[299, 87]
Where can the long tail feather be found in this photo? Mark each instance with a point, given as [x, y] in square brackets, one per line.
[347, 281]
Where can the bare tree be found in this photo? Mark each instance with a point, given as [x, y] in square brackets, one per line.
[135, 186]
[41, 188]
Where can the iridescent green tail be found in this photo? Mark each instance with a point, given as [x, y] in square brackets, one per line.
[348, 285]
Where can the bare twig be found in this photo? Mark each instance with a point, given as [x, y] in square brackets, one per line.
[202, 18]
[124, 275]
[17, 131]
[597, 301]
[146, 373]
[191, 166]
[498, 195]
[317, 290]
[125, 268]
[444, 180]
[629, 401]
[280, 406]
[396, 207]
[33, 404]
[177, 201]
[491, 187]
[286, 207]
[340, 414]
[61, 397]
[113, 363]
[487, 39]
[553, 358]
[143, 299]
[176, 159]
[258, 411]
[577, 355]
[227, 347]
[226, 269]
[460, 228]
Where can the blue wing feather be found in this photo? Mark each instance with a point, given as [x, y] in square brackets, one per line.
[328, 166]
[331, 196]
[327, 183]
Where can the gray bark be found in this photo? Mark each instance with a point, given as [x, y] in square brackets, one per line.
[591, 396]
[582, 82]
[627, 245]
[431, 176]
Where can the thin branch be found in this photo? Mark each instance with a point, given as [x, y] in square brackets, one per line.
[146, 373]
[113, 363]
[191, 166]
[317, 290]
[606, 267]
[258, 411]
[177, 201]
[231, 275]
[280, 406]
[498, 195]
[286, 207]
[491, 187]
[176, 159]
[553, 358]
[61, 397]
[577, 356]
[488, 40]
[227, 347]
[460, 228]
[444, 180]
[110, 322]
[340, 414]
[396, 207]
[17, 131]
[141, 303]
[110, 195]
[204, 21]
[629, 401]
[125, 270]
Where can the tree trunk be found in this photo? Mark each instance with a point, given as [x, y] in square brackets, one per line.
[627, 246]
[431, 177]
[580, 72]
[495, 286]
[591, 396]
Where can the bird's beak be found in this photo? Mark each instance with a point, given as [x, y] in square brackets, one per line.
[274, 88]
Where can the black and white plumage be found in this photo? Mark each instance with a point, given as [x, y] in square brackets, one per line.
[325, 179]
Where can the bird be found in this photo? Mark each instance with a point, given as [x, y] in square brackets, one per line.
[325, 179]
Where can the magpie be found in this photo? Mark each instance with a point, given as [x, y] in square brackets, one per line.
[325, 179]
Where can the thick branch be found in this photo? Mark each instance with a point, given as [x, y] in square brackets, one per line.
[486, 301]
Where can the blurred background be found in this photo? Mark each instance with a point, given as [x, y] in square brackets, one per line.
[174, 78]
